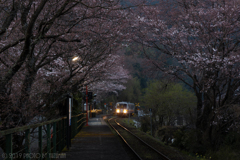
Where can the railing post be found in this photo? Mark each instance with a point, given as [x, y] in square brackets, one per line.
[76, 121]
[58, 131]
[63, 133]
[68, 134]
[74, 126]
[60, 136]
[8, 147]
[54, 140]
[80, 121]
[40, 141]
[48, 142]
[78, 118]
[57, 141]
[27, 144]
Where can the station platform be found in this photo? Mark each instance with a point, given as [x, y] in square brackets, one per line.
[96, 141]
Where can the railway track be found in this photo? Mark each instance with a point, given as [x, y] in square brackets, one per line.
[140, 148]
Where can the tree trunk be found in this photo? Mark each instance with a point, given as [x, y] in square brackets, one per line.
[208, 130]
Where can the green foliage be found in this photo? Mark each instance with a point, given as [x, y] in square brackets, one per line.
[128, 121]
[232, 139]
[132, 93]
[178, 137]
[169, 99]
[165, 134]
[224, 153]
[187, 140]
[145, 124]
[229, 150]
[77, 101]
[110, 98]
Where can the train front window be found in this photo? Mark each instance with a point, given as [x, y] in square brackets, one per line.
[121, 105]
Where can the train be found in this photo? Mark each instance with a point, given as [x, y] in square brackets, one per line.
[124, 109]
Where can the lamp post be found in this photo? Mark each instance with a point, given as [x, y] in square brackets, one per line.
[75, 59]
[69, 109]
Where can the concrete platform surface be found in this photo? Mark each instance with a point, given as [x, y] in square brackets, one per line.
[95, 142]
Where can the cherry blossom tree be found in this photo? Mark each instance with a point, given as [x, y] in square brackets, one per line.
[113, 78]
[38, 41]
[198, 42]
[39, 38]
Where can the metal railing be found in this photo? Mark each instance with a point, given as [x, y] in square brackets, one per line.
[47, 138]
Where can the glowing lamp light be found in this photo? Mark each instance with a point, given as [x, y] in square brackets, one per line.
[75, 58]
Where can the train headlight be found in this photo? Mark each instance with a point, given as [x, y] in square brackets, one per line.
[118, 110]
[124, 111]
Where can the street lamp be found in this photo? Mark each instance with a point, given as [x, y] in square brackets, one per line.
[69, 107]
[75, 58]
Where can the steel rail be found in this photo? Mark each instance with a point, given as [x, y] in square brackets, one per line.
[161, 154]
[124, 139]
